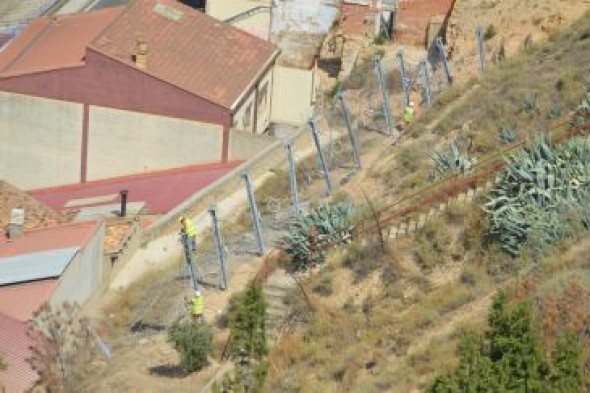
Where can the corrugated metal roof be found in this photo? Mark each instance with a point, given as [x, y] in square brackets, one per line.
[35, 266]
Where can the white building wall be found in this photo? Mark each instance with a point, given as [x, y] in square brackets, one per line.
[41, 141]
[123, 143]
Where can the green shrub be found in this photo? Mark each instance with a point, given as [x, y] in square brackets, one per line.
[246, 322]
[432, 244]
[193, 342]
[490, 32]
[408, 160]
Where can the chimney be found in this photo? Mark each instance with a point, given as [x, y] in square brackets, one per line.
[123, 194]
[17, 222]
[141, 55]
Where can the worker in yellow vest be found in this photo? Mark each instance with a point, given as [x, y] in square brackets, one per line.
[197, 306]
[408, 116]
[191, 232]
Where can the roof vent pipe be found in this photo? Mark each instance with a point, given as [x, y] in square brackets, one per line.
[141, 55]
[123, 194]
[17, 222]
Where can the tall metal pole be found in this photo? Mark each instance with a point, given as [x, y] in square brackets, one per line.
[292, 178]
[189, 258]
[255, 213]
[386, 109]
[404, 78]
[445, 59]
[425, 67]
[318, 146]
[223, 273]
[351, 134]
[480, 49]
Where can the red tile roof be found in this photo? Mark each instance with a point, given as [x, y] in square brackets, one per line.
[14, 349]
[22, 300]
[188, 49]
[37, 215]
[44, 239]
[161, 190]
[50, 43]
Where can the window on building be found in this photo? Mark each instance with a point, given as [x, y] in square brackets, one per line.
[263, 98]
[247, 119]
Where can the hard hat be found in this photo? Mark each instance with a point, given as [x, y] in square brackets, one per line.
[181, 219]
[197, 293]
[412, 104]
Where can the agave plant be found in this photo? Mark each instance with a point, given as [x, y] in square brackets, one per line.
[582, 113]
[529, 103]
[541, 190]
[508, 134]
[332, 223]
[451, 160]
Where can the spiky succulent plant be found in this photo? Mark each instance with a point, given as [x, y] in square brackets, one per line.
[451, 160]
[542, 190]
[582, 113]
[508, 134]
[332, 224]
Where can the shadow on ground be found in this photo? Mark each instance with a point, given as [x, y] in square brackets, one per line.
[168, 370]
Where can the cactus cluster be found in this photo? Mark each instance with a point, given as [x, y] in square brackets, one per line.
[451, 160]
[333, 224]
[542, 193]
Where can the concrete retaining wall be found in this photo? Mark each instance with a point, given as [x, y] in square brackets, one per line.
[123, 143]
[84, 274]
[243, 145]
[41, 141]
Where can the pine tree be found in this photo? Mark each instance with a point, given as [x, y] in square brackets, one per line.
[515, 347]
[567, 365]
[443, 384]
[475, 372]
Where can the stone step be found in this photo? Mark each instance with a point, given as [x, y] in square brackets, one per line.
[442, 207]
[470, 194]
[411, 226]
[461, 197]
[392, 232]
[432, 212]
[421, 221]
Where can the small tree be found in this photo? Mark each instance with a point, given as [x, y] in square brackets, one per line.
[193, 342]
[246, 321]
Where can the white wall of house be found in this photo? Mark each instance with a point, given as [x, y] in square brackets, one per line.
[83, 275]
[258, 24]
[41, 141]
[256, 108]
[293, 95]
[123, 142]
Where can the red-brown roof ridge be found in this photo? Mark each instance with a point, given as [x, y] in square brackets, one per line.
[196, 52]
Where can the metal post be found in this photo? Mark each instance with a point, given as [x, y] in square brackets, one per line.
[318, 146]
[223, 273]
[351, 134]
[404, 78]
[425, 65]
[480, 49]
[386, 110]
[292, 178]
[255, 213]
[445, 59]
[189, 258]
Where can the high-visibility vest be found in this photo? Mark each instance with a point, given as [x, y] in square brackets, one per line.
[408, 114]
[197, 305]
[191, 229]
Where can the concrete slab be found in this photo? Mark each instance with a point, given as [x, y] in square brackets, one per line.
[111, 210]
[91, 200]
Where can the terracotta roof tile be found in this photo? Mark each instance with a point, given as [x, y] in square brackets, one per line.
[192, 51]
[50, 43]
[37, 215]
[14, 347]
[22, 300]
[53, 238]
